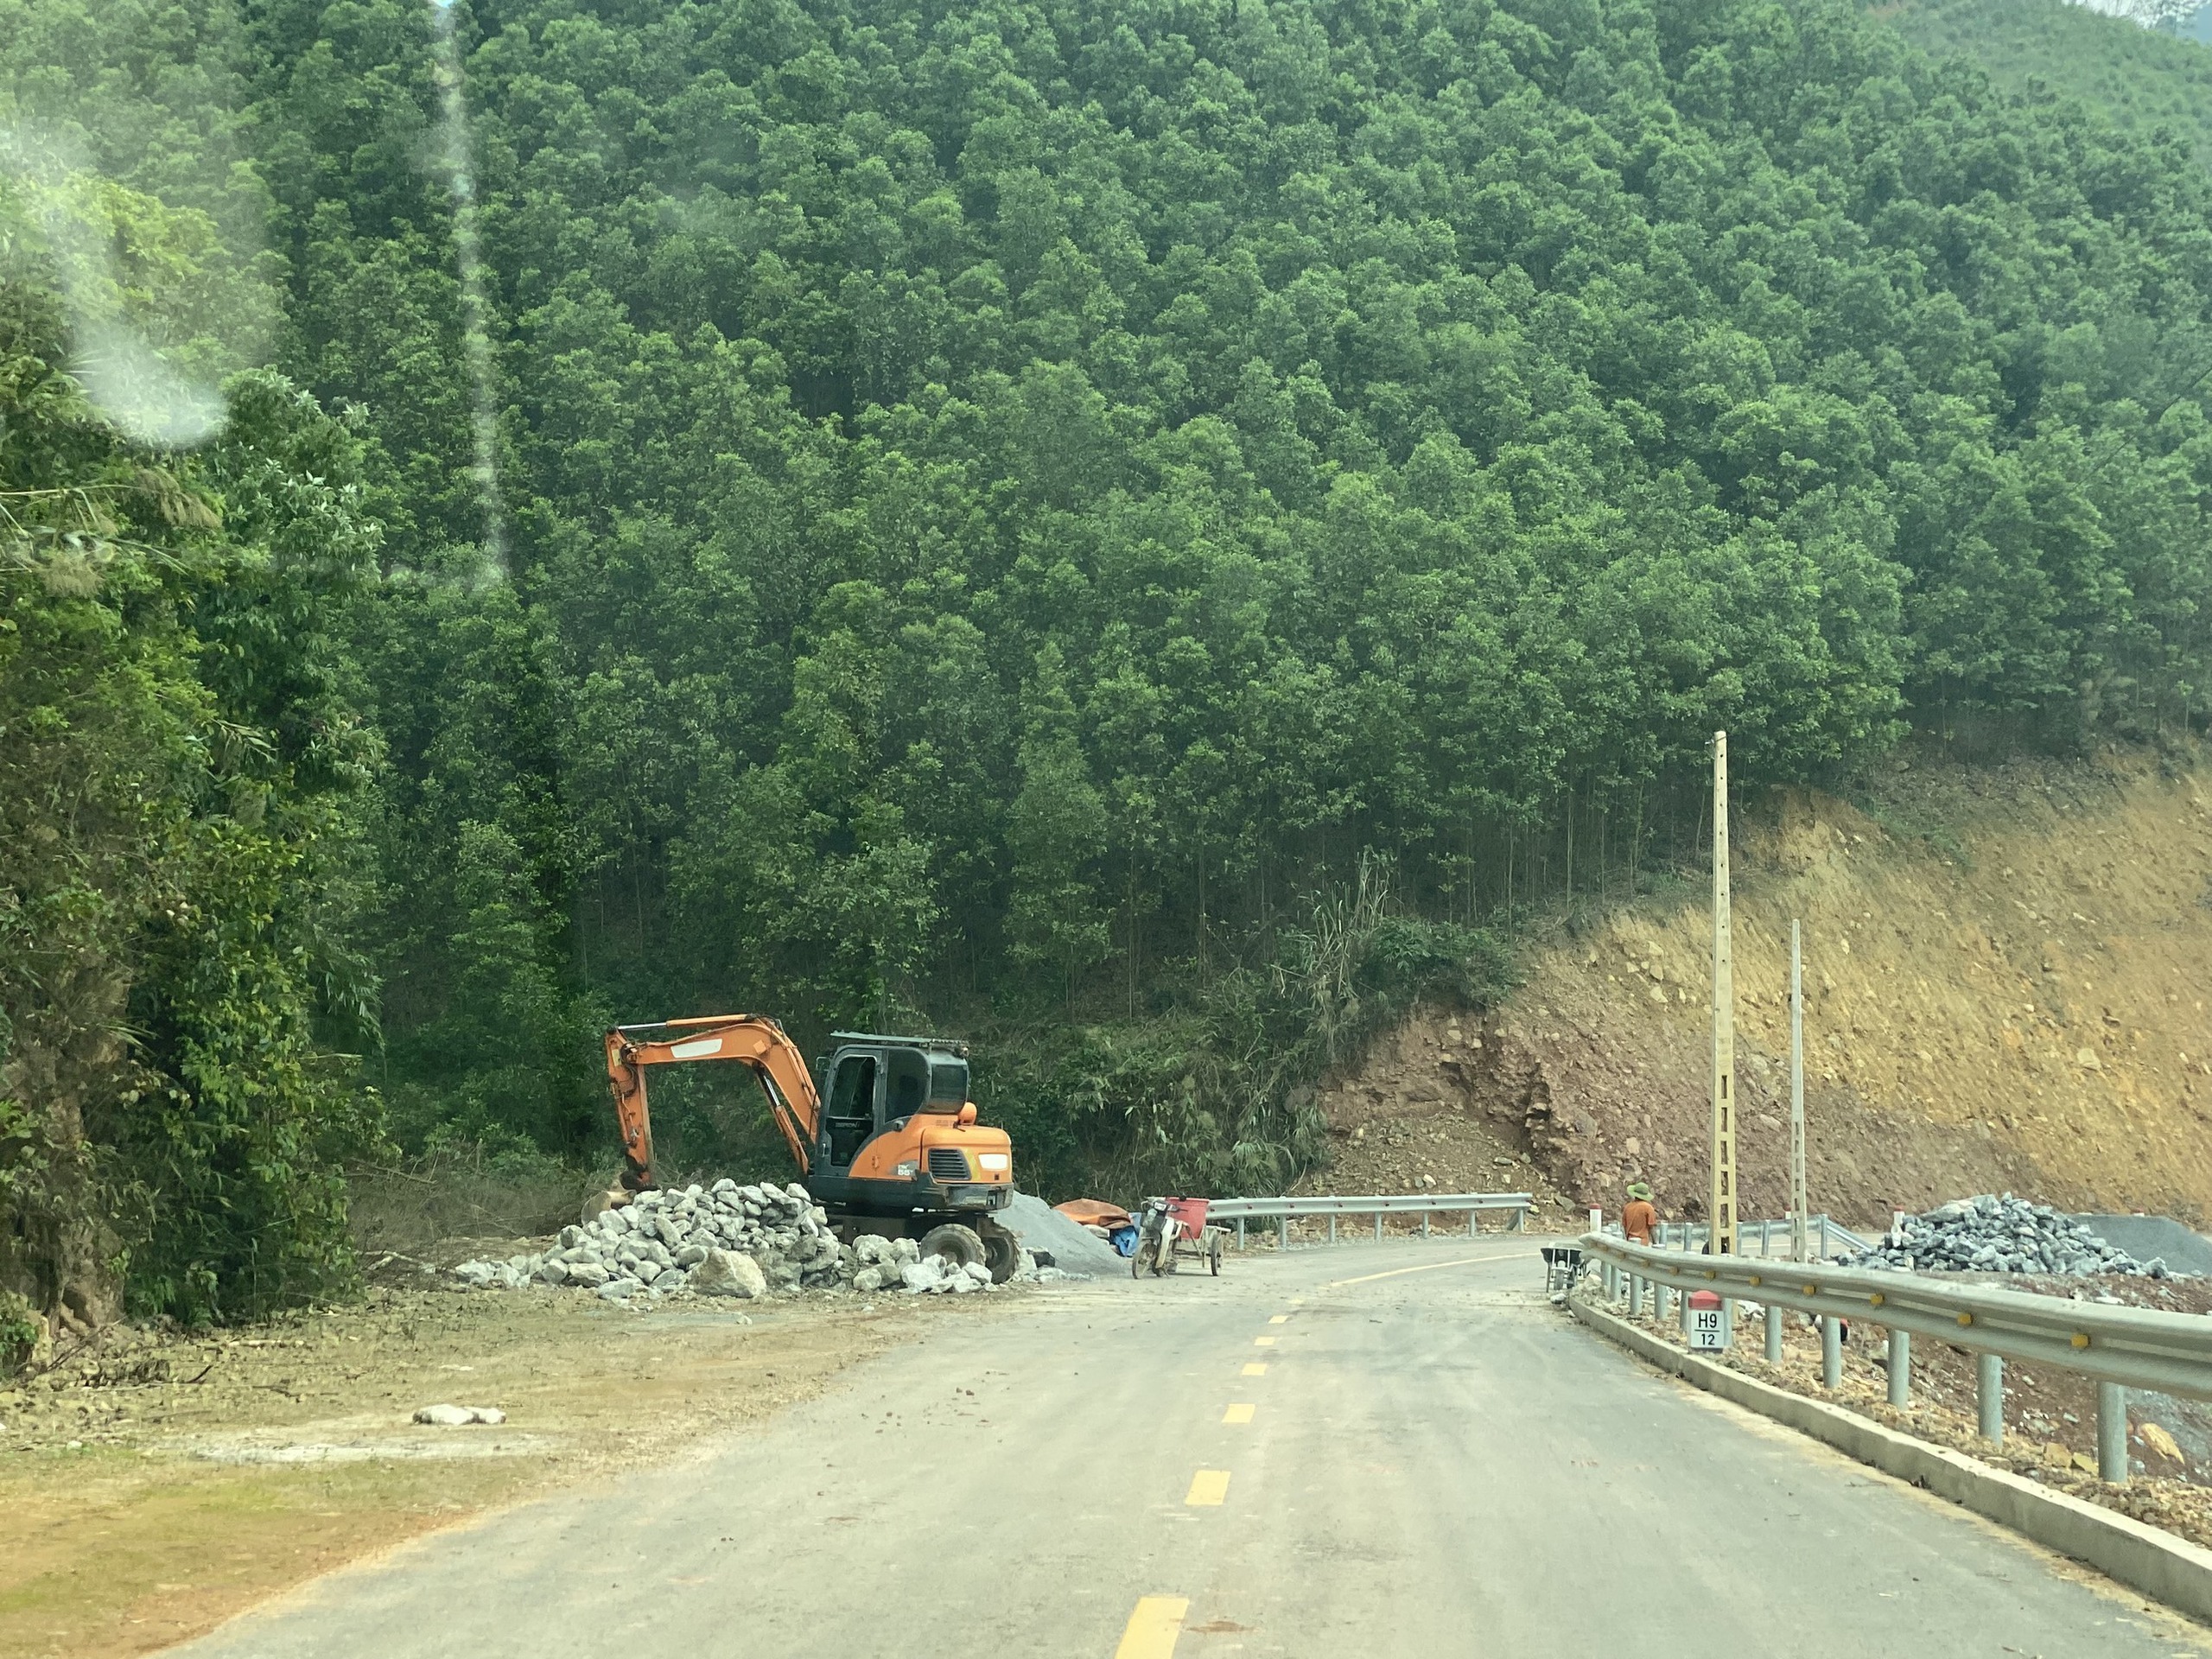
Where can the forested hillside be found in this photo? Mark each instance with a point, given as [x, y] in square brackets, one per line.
[1142, 534]
[2138, 79]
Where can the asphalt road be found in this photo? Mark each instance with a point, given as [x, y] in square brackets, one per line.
[1366, 1450]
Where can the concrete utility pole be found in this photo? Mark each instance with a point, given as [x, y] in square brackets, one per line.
[1722, 1215]
[1797, 1100]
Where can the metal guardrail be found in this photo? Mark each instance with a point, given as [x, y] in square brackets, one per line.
[1282, 1211]
[1828, 1237]
[2136, 1347]
[2120, 1347]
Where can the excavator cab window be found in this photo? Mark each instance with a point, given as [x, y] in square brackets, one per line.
[947, 1082]
[850, 1119]
[906, 1078]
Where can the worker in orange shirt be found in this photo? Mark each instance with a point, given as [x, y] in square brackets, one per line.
[1639, 1218]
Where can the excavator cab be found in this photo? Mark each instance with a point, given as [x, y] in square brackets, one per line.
[898, 1137]
[876, 1083]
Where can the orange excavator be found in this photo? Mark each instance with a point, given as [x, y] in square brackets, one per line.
[895, 1151]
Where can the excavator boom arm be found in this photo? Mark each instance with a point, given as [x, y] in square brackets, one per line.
[752, 1040]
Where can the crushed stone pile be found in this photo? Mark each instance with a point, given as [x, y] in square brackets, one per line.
[727, 1240]
[2002, 1234]
[1071, 1247]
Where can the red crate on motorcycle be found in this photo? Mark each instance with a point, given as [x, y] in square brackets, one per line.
[1190, 1216]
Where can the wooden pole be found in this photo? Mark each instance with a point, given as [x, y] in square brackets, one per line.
[1797, 1099]
[1722, 1214]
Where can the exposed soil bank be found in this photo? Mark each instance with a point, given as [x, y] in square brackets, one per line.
[2006, 982]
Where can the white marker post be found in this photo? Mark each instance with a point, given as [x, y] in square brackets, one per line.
[1797, 1241]
[1708, 1323]
[1721, 1217]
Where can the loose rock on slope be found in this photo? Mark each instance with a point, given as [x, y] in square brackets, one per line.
[2008, 1235]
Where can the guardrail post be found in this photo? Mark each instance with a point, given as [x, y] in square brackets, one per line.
[1824, 1238]
[1900, 1369]
[1332, 1229]
[1378, 1226]
[1728, 1322]
[1773, 1334]
[1240, 1232]
[1636, 1295]
[1282, 1231]
[1682, 1308]
[1474, 1221]
[1659, 1294]
[2112, 1433]
[1989, 1390]
[1831, 1352]
[1424, 1224]
[1520, 1218]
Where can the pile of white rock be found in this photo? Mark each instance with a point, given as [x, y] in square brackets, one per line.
[727, 1240]
[2008, 1235]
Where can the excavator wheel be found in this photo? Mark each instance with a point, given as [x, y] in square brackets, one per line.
[1002, 1253]
[956, 1244]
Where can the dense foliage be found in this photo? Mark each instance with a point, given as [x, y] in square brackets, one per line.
[178, 790]
[1005, 503]
[1033, 517]
[2138, 79]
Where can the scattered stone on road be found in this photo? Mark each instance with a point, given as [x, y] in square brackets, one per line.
[459, 1416]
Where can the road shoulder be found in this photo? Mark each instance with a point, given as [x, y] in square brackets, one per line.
[155, 1490]
[2169, 1570]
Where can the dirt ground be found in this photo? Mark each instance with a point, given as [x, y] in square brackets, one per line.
[2004, 991]
[156, 1484]
[1411, 1120]
[2050, 1416]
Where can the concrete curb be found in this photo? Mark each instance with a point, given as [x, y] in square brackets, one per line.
[2162, 1566]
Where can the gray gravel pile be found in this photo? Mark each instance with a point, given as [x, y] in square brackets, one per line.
[2007, 1235]
[1073, 1247]
[729, 1239]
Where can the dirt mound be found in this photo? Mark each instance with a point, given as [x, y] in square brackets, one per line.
[1416, 1116]
[2004, 992]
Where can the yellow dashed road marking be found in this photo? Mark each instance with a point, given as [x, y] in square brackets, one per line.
[1264, 1342]
[1257, 1368]
[1208, 1486]
[1279, 1318]
[1238, 1414]
[1152, 1628]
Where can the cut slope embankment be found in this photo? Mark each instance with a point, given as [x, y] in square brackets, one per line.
[2005, 989]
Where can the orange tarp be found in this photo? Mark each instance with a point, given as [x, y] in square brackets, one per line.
[1094, 1212]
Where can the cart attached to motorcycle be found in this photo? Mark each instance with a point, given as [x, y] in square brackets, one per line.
[1175, 1230]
